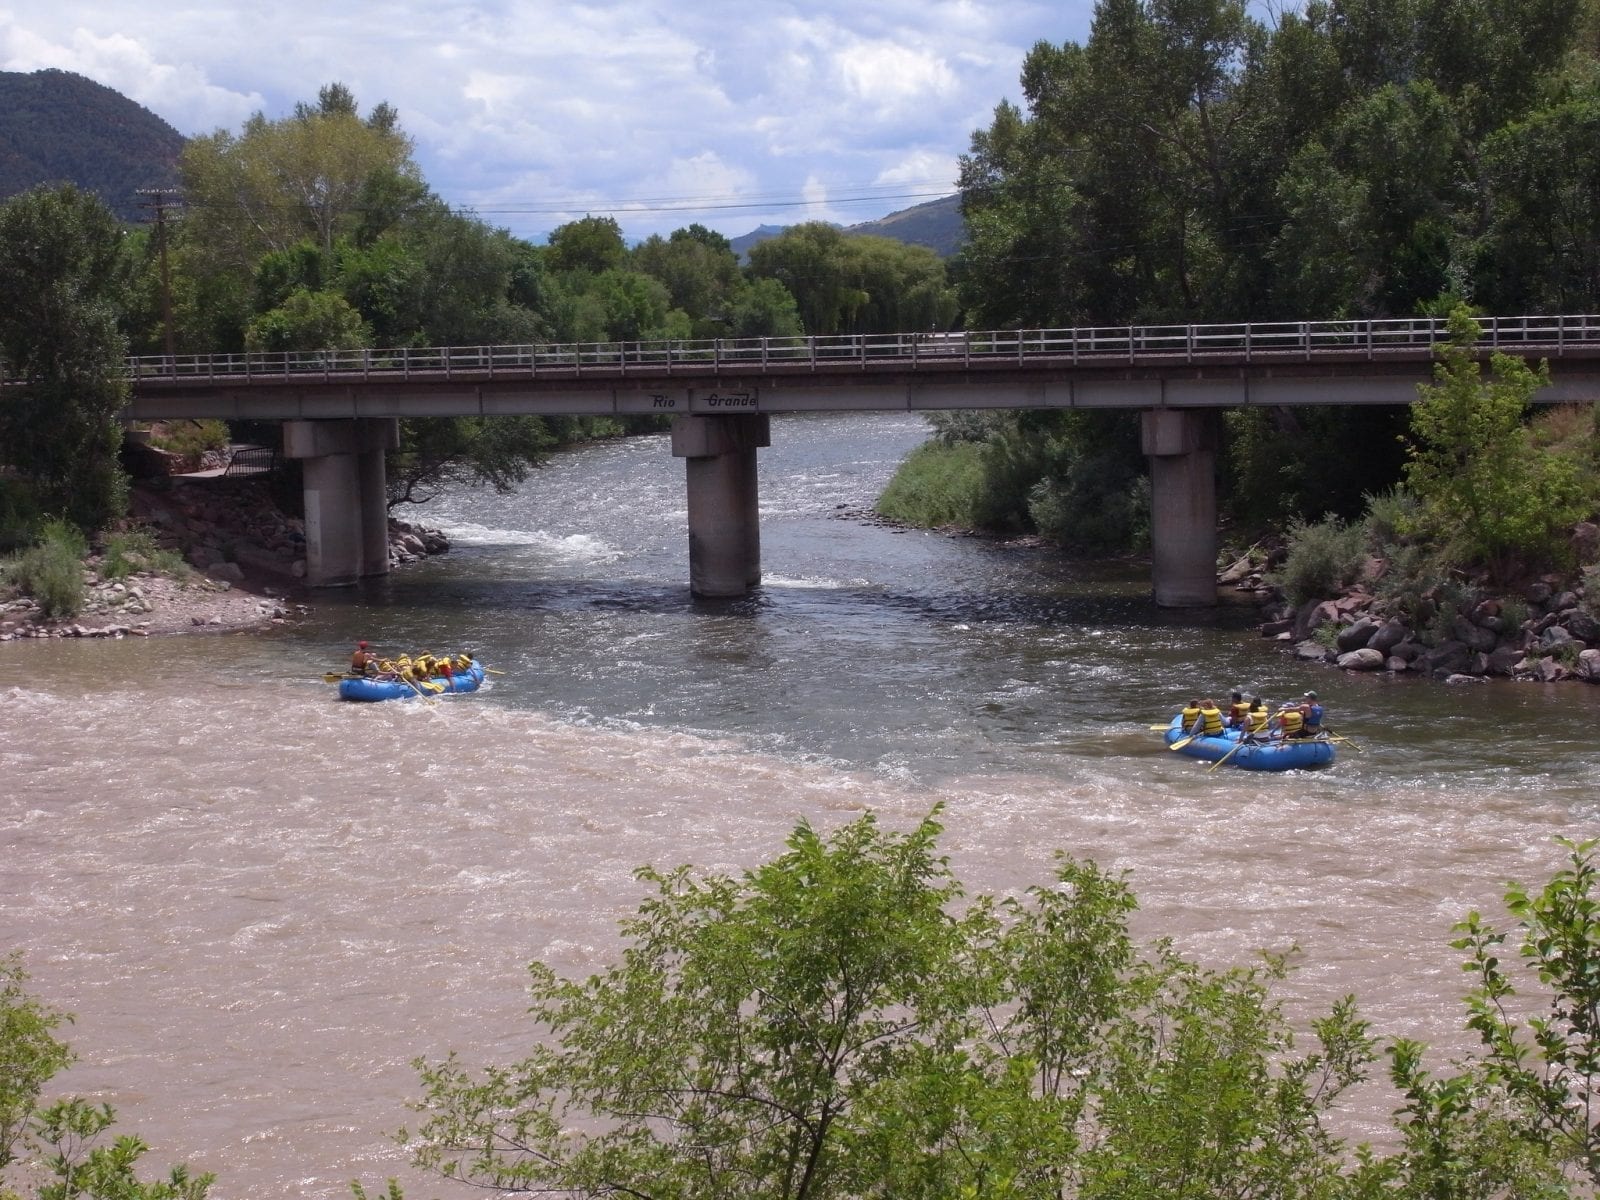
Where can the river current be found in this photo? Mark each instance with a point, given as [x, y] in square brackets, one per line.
[261, 904]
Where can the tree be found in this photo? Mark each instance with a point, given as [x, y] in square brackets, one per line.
[1479, 481]
[280, 181]
[60, 271]
[436, 452]
[57, 1142]
[591, 244]
[764, 308]
[699, 269]
[308, 320]
[842, 1022]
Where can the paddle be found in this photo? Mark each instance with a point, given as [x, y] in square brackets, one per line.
[1228, 755]
[1182, 742]
[1341, 739]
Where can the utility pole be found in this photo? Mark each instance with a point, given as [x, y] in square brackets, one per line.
[159, 199]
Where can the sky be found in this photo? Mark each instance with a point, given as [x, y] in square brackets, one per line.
[533, 113]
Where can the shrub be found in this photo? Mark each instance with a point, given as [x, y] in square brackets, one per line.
[136, 550]
[51, 571]
[1095, 507]
[1324, 556]
[1390, 516]
[191, 439]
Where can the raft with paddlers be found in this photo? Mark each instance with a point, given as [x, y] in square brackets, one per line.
[1249, 751]
[403, 678]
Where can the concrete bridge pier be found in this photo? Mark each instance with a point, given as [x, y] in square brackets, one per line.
[347, 511]
[1182, 447]
[724, 514]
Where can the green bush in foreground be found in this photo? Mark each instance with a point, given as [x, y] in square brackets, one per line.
[53, 1152]
[845, 1022]
[51, 570]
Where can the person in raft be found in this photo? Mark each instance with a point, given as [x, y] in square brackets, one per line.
[1257, 723]
[1311, 710]
[363, 661]
[1238, 709]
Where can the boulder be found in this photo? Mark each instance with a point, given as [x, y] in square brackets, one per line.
[1484, 611]
[1504, 660]
[1556, 640]
[1361, 660]
[1240, 570]
[1310, 651]
[1407, 649]
[1388, 635]
[1550, 671]
[1538, 592]
[1589, 666]
[1274, 628]
[1447, 657]
[226, 572]
[1563, 600]
[1395, 663]
[1356, 635]
[1312, 615]
[1475, 636]
[1581, 625]
[1459, 679]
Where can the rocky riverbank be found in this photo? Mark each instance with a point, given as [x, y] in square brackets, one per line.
[246, 559]
[1546, 630]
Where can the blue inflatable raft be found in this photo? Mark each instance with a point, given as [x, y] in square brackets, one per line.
[1268, 755]
[398, 689]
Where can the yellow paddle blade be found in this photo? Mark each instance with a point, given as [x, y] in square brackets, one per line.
[1181, 742]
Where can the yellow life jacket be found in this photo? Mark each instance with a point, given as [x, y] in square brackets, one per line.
[1211, 722]
[1190, 717]
[1238, 712]
[1258, 721]
[1290, 721]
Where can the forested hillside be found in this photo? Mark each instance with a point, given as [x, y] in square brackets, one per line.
[57, 127]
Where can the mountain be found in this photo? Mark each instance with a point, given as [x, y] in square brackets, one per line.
[936, 225]
[741, 244]
[57, 127]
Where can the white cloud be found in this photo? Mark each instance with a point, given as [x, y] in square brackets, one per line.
[530, 110]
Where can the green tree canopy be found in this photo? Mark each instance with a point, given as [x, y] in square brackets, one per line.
[61, 274]
[1480, 483]
[843, 1022]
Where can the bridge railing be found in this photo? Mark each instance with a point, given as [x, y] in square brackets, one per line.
[1154, 343]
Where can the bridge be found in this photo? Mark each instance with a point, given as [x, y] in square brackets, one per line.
[340, 407]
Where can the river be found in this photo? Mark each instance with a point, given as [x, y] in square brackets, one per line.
[261, 903]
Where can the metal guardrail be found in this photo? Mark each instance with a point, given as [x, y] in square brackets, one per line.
[1155, 344]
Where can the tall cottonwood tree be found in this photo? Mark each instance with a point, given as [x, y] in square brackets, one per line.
[302, 176]
[60, 272]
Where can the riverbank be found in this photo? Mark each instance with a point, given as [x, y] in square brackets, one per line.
[244, 559]
[1543, 629]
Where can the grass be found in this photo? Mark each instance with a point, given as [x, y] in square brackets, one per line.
[135, 550]
[938, 484]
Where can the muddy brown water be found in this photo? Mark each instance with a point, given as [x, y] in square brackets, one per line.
[261, 903]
